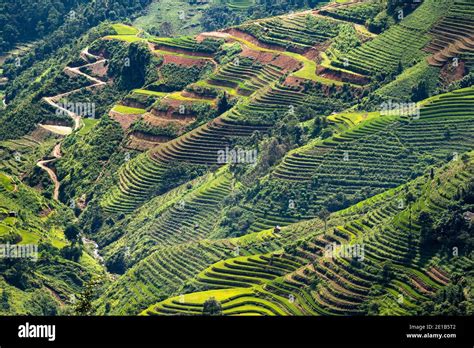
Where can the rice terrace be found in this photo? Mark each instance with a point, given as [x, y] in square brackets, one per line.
[237, 157]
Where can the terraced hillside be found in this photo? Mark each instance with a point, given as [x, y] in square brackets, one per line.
[171, 269]
[398, 132]
[403, 33]
[453, 35]
[367, 230]
[400, 44]
[44, 285]
[395, 274]
[316, 162]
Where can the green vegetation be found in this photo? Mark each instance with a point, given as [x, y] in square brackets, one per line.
[309, 163]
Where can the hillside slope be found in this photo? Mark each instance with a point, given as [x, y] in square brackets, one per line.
[316, 162]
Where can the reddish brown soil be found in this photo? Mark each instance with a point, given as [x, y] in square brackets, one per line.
[171, 59]
[182, 51]
[165, 119]
[342, 76]
[252, 39]
[135, 143]
[294, 81]
[313, 53]
[449, 73]
[420, 285]
[284, 62]
[125, 120]
[436, 277]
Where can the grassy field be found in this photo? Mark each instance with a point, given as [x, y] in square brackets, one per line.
[122, 29]
[89, 123]
[175, 17]
[128, 110]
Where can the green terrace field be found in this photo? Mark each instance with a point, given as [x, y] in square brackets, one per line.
[128, 110]
[453, 36]
[187, 43]
[199, 208]
[245, 76]
[295, 33]
[141, 176]
[307, 281]
[123, 29]
[297, 164]
[240, 4]
[200, 146]
[402, 43]
[358, 13]
[383, 151]
[19, 156]
[456, 24]
[167, 269]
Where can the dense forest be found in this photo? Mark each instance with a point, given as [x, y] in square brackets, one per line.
[31, 20]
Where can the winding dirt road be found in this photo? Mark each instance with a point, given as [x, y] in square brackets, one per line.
[53, 101]
[42, 164]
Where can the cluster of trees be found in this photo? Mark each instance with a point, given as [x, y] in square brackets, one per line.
[176, 77]
[24, 90]
[395, 11]
[131, 65]
[73, 251]
[212, 307]
[450, 300]
[58, 21]
[84, 158]
[453, 229]
[170, 130]
[236, 222]
[19, 272]
[221, 15]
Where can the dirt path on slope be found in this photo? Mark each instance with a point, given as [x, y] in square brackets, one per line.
[42, 164]
[75, 117]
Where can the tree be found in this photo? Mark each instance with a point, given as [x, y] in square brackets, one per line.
[399, 67]
[419, 91]
[387, 269]
[222, 104]
[426, 222]
[18, 272]
[5, 304]
[324, 215]
[317, 127]
[86, 297]
[212, 307]
[410, 198]
[72, 252]
[72, 232]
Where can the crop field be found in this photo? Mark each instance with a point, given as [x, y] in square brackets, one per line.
[401, 44]
[242, 158]
[255, 285]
